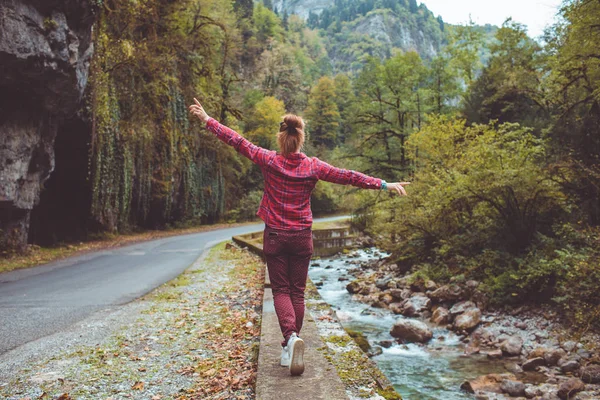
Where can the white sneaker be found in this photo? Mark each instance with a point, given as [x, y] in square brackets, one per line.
[296, 353]
[285, 357]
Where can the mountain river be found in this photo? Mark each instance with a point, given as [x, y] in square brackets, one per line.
[434, 371]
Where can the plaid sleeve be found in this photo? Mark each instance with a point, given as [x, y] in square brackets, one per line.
[332, 174]
[256, 154]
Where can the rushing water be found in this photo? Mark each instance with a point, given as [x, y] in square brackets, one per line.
[434, 371]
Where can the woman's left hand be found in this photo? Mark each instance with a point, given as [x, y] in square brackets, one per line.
[198, 111]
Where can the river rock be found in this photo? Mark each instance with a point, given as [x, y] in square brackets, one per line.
[386, 298]
[487, 383]
[416, 304]
[375, 351]
[513, 388]
[396, 308]
[591, 373]
[461, 307]
[430, 285]
[494, 354]
[410, 330]
[569, 346]
[472, 284]
[538, 352]
[383, 283]
[353, 287]
[569, 388]
[512, 346]
[447, 293]
[553, 356]
[441, 316]
[397, 294]
[468, 320]
[533, 363]
[569, 366]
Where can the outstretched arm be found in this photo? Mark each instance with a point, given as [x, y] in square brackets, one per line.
[332, 174]
[243, 146]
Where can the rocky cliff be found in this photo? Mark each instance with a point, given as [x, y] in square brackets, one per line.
[302, 7]
[45, 50]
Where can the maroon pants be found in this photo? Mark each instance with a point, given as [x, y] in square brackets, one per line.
[288, 254]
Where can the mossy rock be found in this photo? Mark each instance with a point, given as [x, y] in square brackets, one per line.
[360, 340]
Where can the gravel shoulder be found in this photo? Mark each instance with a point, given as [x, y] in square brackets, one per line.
[194, 337]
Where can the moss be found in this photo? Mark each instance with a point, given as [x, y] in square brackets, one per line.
[360, 339]
[50, 24]
[389, 394]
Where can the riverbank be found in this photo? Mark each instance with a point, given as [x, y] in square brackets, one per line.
[537, 356]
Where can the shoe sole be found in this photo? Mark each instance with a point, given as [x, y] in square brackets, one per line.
[297, 361]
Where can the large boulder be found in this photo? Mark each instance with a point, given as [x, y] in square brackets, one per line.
[461, 307]
[416, 305]
[468, 320]
[512, 346]
[487, 383]
[447, 293]
[513, 388]
[553, 356]
[45, 52]
[533, 363]
[441, 316]
[410, 330]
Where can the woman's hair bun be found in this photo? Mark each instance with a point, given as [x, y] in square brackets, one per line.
[291, 123]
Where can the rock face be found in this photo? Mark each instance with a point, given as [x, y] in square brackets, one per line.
[411, 331]
[45, 51]
[302, 7]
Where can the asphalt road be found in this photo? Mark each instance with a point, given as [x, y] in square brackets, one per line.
[40, 301]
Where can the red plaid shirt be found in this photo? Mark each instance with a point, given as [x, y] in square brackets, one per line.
[290, 180]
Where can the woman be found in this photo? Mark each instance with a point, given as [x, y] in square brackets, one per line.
[290, 176]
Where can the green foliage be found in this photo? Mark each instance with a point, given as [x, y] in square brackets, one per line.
[510, 88]
[389, 106]
[322, 114]
[263, 122]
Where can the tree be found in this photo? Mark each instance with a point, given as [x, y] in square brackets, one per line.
[322, 114]
[390, 105]
[510, 88]
[443, 84]
[344, 98]
[464, 44]
[575, 94]
[263, 123]
[413, 6]
[267, 24]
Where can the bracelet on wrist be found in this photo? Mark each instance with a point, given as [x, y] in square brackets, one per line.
[383, 185]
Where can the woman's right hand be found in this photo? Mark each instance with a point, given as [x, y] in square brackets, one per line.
[198, 111]
[398, 187]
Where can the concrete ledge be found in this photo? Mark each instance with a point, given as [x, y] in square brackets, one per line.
[274, 382]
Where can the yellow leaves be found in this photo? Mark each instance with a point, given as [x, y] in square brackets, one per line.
[138, 386]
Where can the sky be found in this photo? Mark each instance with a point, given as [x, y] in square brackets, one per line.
[535, 14]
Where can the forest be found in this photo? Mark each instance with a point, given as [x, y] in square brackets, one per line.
[498, 133]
